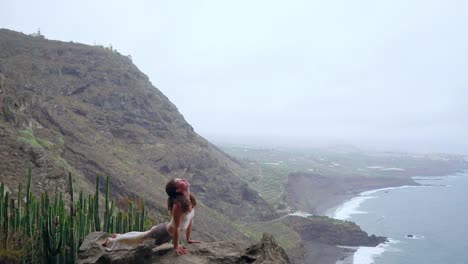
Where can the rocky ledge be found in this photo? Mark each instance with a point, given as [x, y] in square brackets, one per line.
[266, 251]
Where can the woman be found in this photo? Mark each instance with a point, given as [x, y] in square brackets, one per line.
[181, 203]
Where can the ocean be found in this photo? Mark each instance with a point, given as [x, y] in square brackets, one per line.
[425, 224]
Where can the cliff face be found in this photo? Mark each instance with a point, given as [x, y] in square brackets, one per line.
[331, 231]
[89, 110]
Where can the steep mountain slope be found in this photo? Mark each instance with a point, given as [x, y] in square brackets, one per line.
[89, 110]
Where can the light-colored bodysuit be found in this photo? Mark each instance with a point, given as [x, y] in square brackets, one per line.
[161, 233]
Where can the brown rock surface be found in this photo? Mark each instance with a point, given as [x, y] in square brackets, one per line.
[266, 251]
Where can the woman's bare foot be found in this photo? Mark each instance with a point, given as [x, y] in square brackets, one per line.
[107, 240]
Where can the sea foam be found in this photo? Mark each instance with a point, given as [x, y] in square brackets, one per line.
[351, 207]
[367, 255]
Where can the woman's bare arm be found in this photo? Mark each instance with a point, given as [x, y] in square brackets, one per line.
[189, 233]
[177, 216]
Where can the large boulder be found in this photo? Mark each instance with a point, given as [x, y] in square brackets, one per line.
[266, 251]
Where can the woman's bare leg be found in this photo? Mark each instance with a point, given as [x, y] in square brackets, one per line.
[129, 239]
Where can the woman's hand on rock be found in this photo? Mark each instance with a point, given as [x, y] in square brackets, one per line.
[181, 250]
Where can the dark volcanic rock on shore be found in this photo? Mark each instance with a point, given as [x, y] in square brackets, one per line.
[331, 231]
[321, 237]
[265, 251]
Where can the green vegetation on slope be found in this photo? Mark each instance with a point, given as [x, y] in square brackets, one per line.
[28, 137]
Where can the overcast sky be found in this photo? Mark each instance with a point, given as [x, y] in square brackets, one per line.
[376, 73]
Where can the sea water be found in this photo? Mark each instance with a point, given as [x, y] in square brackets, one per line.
[425, 225]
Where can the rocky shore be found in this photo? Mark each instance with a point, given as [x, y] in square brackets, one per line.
[325, 240]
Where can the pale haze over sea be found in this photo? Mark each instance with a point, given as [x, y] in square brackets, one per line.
[380, 74]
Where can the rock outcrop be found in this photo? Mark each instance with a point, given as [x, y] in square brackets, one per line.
[266, 251]
[331, 231]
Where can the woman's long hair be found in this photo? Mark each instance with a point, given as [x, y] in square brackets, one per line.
[175, 196]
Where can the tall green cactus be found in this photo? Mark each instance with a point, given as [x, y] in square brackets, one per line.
[109, 208]
[5, 219]
[20, 199]
[70, 191]
[97, 222]
[142, 219]
[29, 203]
[2, 192]
[54, 232]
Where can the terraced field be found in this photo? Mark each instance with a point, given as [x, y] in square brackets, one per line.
[272, 182]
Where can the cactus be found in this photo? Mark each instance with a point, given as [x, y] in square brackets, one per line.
[13, 215]
[70, 191]
[109, 209]
[130, 218]
[52, 241]
[142, 219]
[2, 192]
[18, 211]
[29, 204]
[54, 233]
[118, 223]
[97, 223]
[5, 219]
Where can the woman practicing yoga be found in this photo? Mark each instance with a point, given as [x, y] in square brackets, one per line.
[181, 204]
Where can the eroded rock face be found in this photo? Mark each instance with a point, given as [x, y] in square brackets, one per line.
[266, 251]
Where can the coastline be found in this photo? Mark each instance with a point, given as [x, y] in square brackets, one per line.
[327, 207]
[343, 211]
[346, 207]
[362, 254]
[324, 195]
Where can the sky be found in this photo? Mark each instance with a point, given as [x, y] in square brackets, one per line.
[386, 74]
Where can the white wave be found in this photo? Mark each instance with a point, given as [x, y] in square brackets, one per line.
[388, 189]
[393, 169]
[350, 207]
[384, 168]
[375, 167]
[435, 178]
[367, 255]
